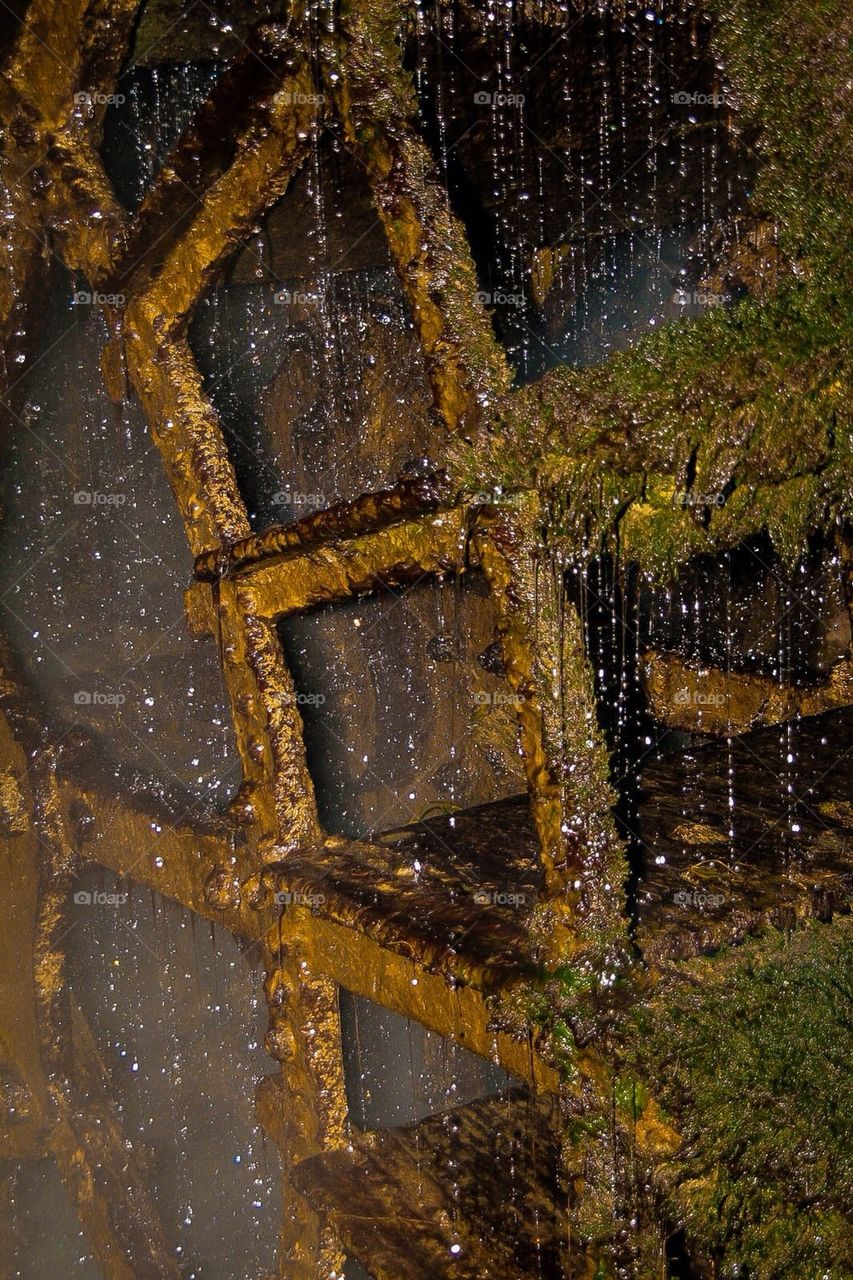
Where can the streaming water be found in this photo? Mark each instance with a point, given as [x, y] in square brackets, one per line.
[591, 163]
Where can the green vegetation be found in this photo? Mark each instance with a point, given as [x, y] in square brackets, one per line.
[750, 1052]
[746, 408]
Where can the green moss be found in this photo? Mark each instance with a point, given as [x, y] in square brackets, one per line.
[631, 1096]
[751, 1052]
[564, 1048]
[572, 981]
[745, 407]
[790, 65]
[747, 410]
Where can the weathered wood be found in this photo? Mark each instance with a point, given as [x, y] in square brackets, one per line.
[701, 699]
[702, 412]
[453, 894]
[456, 893]
[304, 1108]
[428, 244]
[728, 850]
[564, 753]
[240, 108]
[366, 514]
[434, 996]
[57, 1101]
[504, 1212]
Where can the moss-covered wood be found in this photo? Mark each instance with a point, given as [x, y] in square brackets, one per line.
[714, 428]
[750, 1053]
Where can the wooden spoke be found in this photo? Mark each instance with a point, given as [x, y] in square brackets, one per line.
[428, 244]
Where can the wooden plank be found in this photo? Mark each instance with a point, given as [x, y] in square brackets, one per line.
[464, 1195]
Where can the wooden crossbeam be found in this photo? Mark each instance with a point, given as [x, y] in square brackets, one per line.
[705, 699]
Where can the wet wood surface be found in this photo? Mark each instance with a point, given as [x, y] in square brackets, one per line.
[722, 857]
[501, 1213]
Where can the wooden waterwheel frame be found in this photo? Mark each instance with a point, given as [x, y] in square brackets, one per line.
[58, 816]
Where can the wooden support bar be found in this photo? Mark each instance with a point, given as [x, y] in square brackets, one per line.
[407, 500]
[565, 758]
[275, 800]
[24, 1102]
[108, 1186]
[428, 244]
[303, 1108]
[105, 45]
[402, 983]
[275, 804]
[196, 866]
[242, 106]
[395, 556]
[698, 699]
[306, 577]
[43, 68]
[270, 153]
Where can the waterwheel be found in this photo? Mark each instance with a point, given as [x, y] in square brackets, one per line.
[550, 854]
